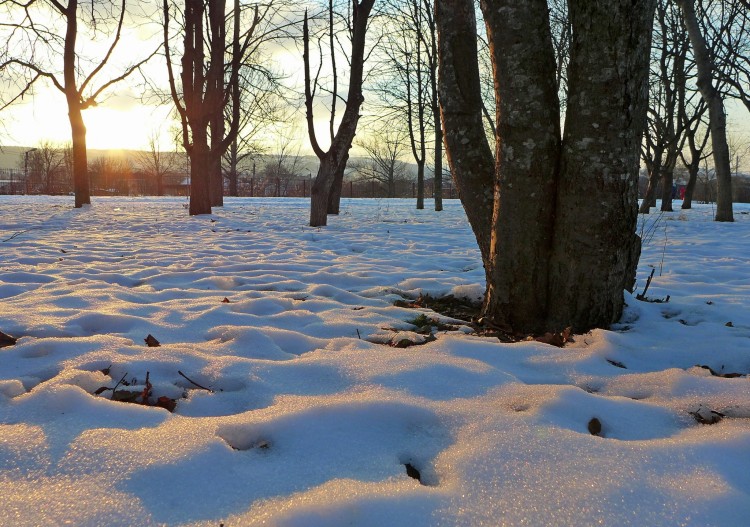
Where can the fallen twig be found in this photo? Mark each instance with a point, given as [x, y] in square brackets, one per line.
[191, 381]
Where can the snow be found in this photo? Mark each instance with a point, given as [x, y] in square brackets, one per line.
[308, 420]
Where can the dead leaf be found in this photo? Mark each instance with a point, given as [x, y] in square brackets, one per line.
[166, 403]
[556, 339]
[729, 324]
[7, 340]
[705, 416]
[225, 301]
[151, 341]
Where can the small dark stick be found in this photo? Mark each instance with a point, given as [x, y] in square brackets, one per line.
[642, 296]
[191, 381]
[118, 384]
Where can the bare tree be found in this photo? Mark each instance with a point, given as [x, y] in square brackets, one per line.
[326, 188]
[384, 150]
[43, 43]
[669, 97]
[554, 220]
[716, 114]
[209, 96]
[45, 166]
[156, 163]
[263, 104]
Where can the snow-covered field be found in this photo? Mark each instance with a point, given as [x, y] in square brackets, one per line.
[305, 422]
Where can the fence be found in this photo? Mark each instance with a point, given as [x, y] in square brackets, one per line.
[300, 187]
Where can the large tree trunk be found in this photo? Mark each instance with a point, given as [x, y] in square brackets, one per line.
[551, 258]
[200, 161]
[526, 153]
[596, 250]
[716, 114]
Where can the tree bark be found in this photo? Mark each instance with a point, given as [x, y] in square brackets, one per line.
[716, 114]
[469, 155]
[551, 259]
[687, 201]
[526, 152]
[596, 250]
[81, 185]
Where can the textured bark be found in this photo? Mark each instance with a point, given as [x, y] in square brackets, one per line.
[716, 114]
[200, 158]
[555, 227]
[526, 152]
[469, 155]
[596, 250]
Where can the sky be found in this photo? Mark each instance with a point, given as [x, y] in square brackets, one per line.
[124, 121]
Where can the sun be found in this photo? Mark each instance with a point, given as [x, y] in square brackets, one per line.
[127, 129]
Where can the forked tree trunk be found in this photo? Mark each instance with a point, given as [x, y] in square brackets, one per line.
[325, 195]
[551, 258]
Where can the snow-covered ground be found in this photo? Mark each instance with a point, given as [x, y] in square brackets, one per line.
[305, 422]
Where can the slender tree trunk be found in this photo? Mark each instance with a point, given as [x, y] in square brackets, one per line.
[438, 177]
[716, 114]
[233, 169]
[80, 162]
[687, 201]
[420, 184]
[467, 150]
